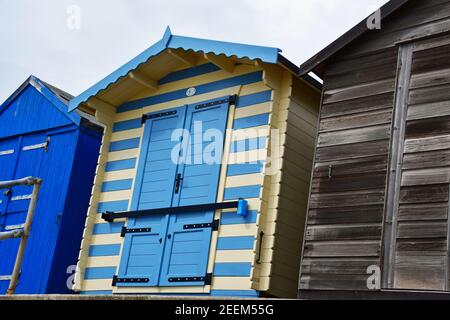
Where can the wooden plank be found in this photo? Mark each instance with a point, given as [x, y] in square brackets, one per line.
[422, 230]
[418, 129]
[342, 249]
[430, 94]
[423, 247]
[420, 273]
[359, 91]
[347, 199]
[351, 167]
[431, 59]
[431, 79]
[427, 144]
[343, 232]
[395, 166]
[352, 151]
[338, 266]
[359, 214]
[417, 212]
[354, 121]
[424, 194]
[426, 176]
[349, 183]
[367, 134]
[431, 159]
[360, 105]
[333, 282]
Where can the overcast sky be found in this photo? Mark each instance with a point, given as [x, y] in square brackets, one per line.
[35, 37]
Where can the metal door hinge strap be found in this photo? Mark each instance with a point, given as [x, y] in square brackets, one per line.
[38, 146]
[214, 225]
[111, 216]
[14, 227]
[22, 197]
[117, 280]
[5, 278]
[136, 230]
[146, 117]
[207, 279]
[6, 152]
[230, 100]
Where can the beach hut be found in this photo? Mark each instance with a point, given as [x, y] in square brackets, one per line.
[202, 183]
[378, 210]
[38, 137]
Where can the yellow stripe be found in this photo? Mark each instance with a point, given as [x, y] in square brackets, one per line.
[231, 283]
[245, 180]
[122, 155]
[106, 239]
[128, 134]
[94, 262]
[224, 256]
[253, 110]
[240, 230]
[115, 196]
[119, 175]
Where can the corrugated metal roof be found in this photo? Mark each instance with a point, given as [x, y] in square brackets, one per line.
[169, 41]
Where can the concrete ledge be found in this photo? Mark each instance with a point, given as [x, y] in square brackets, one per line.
[118, 298]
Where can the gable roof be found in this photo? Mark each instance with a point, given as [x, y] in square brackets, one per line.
[169, 41]
[59, 98]
[314, 64]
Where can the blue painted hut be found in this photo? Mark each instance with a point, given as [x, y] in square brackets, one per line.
[162, 222]
[38, 137]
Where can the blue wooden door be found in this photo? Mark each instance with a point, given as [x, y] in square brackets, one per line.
[142, 251]
[30, 154]
[186, 254]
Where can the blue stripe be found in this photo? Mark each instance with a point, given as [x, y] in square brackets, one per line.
[104, 250]
[120, 165]
[232, 269]
[112, 206]
[247, 192]
[245, 168]
[249, 144]
[230, 218]
[253, 99]
[127, 125]
[117, 185]
[108, 228]
[99, 273]
[124, 145]
[189, 73]
[250, 122]
[201, 89]
[235, 293]
[235, 243]
[97, 293]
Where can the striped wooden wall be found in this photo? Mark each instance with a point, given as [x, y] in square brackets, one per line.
[232, 256]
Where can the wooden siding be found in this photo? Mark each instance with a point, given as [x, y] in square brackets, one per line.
[348, 201]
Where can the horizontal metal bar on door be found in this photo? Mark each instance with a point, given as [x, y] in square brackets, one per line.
[6, 152]
[5, 278]
[22, 197]
[111, 216]
[14, 227]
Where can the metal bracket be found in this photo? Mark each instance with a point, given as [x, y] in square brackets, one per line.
[117, 280]
[136, 230]
[230, 100]
[207, 279]
[146, 117]
[214, 225]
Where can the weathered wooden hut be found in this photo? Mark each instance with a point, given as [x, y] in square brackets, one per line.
[158, 225]
[40, 138]
[378, 208]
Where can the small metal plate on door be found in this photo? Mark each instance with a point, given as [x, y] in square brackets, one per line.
[5, 278]
[23, 197]
[14, 227]
[6, 152]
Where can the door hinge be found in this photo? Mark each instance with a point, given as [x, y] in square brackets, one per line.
[231, 100]
[178, 181]
[38, 146]
[207, 279]
[125, 230]
[117, 280]
[146, 117]
[214, 225]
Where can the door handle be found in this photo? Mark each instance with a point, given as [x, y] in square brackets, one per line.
[178, 180]
[169, 236]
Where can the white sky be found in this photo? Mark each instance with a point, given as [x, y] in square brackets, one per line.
[35, 38]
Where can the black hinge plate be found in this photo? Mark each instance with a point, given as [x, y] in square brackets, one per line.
[146, 117]
[214, 225]
[137, 230]
[230, 100]
[207, 279]
[117, 280]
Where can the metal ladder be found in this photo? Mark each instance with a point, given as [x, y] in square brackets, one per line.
[22, 233]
